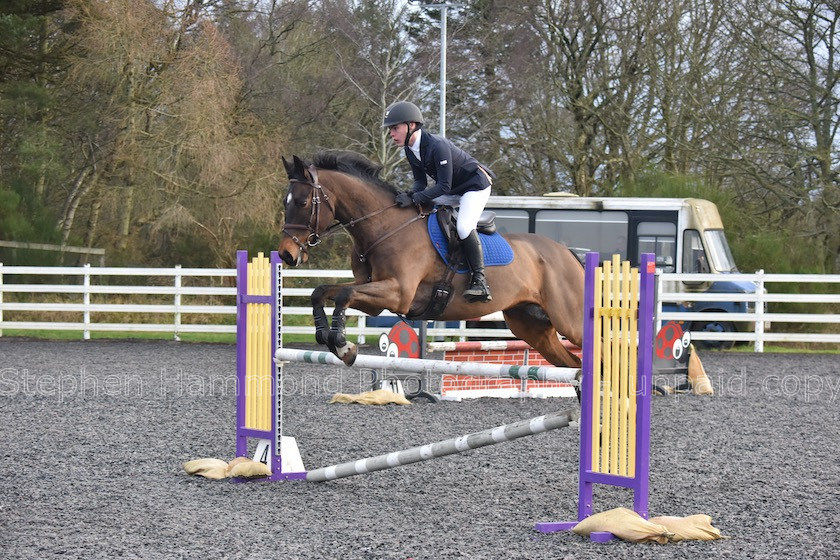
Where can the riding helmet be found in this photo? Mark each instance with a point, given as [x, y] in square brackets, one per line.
[402, 112]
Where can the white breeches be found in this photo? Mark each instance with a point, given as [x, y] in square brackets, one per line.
[470, 205]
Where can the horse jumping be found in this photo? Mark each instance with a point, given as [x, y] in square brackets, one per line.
[396, 267]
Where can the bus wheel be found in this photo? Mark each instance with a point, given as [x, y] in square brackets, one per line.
[714, 326]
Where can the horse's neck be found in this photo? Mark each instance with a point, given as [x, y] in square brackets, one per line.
[354, 199]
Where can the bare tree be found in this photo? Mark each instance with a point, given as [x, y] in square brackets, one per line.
[785, 157]
[173, 151]
[578, 110]
[375, 56]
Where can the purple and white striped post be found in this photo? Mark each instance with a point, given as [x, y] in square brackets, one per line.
[257, 376]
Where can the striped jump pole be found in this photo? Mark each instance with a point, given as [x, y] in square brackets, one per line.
[489, 346]
[452, 446]
[514, 352]
[415, 365]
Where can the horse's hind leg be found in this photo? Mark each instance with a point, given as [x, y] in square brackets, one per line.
[530, 323]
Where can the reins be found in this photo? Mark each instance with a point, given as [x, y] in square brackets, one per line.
[314, 238]
[420, 216]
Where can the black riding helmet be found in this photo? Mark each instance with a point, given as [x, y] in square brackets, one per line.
[403, 112]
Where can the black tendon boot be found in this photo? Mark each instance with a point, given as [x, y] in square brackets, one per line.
[478, 290]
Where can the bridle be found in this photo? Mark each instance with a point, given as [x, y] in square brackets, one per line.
[313, 227]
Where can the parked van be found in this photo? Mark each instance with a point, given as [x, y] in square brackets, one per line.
[685, 234]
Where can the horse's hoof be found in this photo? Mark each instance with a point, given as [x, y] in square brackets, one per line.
[347, 353]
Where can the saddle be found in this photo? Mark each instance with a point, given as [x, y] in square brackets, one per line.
[442, 290]
[447, 219]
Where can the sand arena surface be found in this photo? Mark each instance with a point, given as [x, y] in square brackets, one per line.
[94, 434]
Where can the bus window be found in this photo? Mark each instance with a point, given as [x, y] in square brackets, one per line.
[694, 257]
[719, 251]
[585, 230]
[511, 221]
[659, 238]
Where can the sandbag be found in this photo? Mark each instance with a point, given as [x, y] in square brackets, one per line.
[700, 383]
[248, 468]
[690, 528]
[378, 397]
[215, 469]
[625, 524]
[235, 462]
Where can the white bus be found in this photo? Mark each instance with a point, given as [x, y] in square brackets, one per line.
[685, 234]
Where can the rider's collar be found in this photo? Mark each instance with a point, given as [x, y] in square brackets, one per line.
[416, 146]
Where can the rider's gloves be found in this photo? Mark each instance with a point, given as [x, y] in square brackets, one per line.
[404, 200]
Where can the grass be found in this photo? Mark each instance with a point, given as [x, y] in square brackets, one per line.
[213, 338]
[225, 338]
[793, 349]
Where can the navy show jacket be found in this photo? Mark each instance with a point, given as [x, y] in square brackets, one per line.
[454, 170]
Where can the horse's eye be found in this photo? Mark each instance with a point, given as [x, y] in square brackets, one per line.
[299, 202]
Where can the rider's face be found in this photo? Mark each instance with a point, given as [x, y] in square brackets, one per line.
[398, 133]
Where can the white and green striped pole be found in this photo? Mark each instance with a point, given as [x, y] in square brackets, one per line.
[414, 365]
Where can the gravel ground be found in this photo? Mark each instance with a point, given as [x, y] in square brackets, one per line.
[94, 435]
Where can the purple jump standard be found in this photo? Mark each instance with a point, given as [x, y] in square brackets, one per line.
[589, 475]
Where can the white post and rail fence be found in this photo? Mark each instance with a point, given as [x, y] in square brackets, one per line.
[181, 300]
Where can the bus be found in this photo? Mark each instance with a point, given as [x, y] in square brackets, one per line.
[685, 234]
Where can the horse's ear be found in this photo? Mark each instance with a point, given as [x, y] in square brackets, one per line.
[295, 169]
[299, 166]
[289, 167]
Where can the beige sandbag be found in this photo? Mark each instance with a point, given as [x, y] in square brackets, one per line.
[666, 390]
[235, 462]
[248, 468]
[380, 396]
[215, 469]
[700, 383]
[690, 528]
[625, 524]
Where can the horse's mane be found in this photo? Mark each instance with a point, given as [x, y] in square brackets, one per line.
[354, 164]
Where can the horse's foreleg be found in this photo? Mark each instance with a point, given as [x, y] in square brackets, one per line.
[332, 336]
[383, 294]
[319, 315]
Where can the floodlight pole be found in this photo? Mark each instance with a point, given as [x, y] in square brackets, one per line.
[444, 13]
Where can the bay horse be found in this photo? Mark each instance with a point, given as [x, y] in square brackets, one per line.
[395, 266]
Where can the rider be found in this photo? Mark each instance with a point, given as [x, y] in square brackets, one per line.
[460, 181]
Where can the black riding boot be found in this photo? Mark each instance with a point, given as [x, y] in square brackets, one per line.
[478, 290]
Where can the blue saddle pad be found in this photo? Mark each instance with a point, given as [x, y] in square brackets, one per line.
[497, 251]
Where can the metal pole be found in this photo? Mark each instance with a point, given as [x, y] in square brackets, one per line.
[443, 14]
